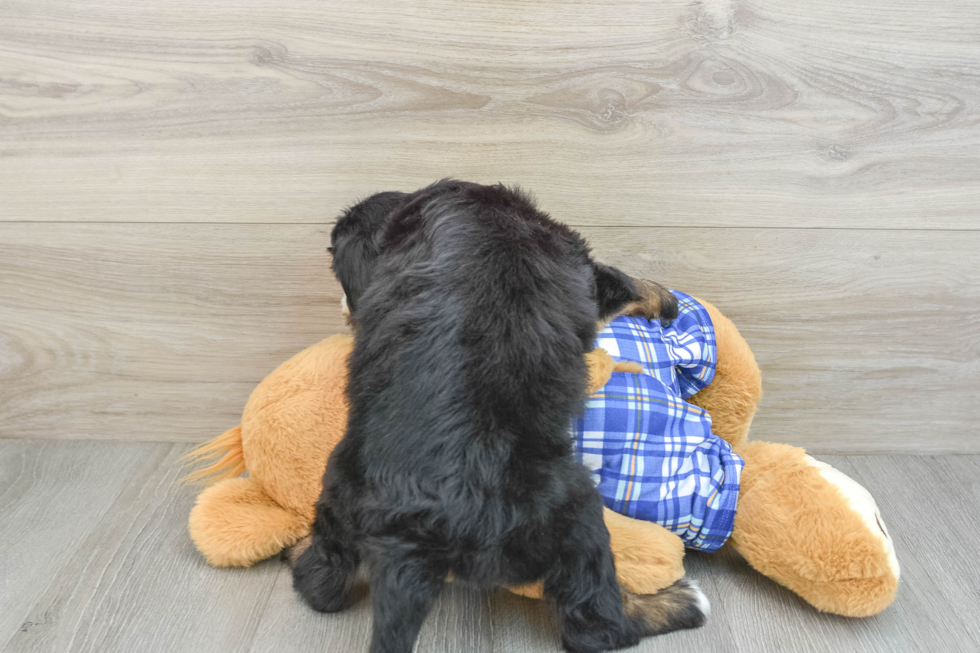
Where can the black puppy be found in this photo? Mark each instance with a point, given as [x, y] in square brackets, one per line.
[473, 318]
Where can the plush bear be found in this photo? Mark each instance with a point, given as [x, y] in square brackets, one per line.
[804, 524]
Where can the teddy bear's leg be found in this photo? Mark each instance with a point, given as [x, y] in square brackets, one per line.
[648, 557]
[731, 398]
[814, 530]
[236, 524]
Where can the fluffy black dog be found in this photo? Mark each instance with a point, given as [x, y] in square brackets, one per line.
[473, 313]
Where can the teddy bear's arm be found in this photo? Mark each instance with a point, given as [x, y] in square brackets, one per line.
[601, 366]
[732, 396]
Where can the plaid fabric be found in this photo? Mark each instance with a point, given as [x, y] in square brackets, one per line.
[652, 454]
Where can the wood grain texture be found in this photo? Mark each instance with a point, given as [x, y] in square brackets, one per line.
[869, 341]
[459, 622]
[944, 570]
[118, 573]
[135, 582]
[932, 604]
[151, 331]
[711, 113]
[52, 497]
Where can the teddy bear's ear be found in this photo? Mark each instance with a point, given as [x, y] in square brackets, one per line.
[614, 290]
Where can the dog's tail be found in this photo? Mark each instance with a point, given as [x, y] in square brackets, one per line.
[224, 456]
[678, 606]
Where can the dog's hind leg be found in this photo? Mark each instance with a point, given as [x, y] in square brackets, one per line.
[404, 585]
[582, 581]
[595, 613]
[324, 573]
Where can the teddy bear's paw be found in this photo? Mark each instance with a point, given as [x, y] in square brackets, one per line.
[676, 607]
[630, 367]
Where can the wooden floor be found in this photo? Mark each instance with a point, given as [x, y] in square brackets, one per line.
[96, 557]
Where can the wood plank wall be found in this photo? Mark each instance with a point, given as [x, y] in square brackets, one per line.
[169, 173]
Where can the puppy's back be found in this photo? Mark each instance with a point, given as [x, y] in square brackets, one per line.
[474, 326]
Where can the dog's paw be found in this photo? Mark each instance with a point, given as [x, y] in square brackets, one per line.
[326, 583]
[679, 606]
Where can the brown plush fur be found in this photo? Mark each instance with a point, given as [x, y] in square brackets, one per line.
[825, 555]
[601, 366]
[791, 524]
[292, 421]
[289, 430]
[648, 556]
[236, 523]
[223, 455]
[731, 398]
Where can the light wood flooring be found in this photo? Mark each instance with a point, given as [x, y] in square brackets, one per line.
[96, 557]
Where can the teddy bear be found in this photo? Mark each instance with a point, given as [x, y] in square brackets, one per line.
[800, 522]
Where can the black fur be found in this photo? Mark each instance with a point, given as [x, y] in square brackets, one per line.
[356, 246]
[467, 369]
[614, 290]
[355, 242]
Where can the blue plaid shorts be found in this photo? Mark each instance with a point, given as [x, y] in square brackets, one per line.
[652, 454]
